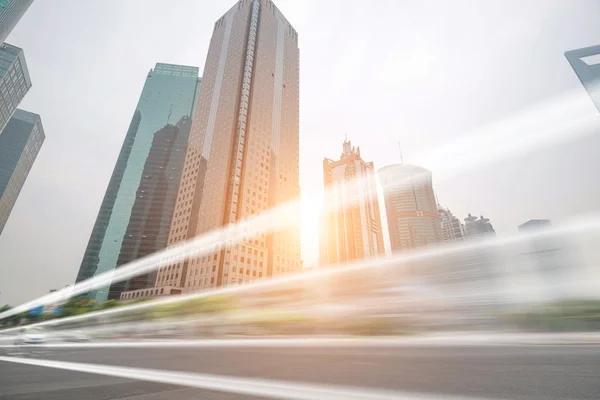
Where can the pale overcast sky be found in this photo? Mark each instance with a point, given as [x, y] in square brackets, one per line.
[420, 72]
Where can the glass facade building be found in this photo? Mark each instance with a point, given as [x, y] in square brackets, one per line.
[20, 143]
[11, 12]
[14, 80]
[136, 211]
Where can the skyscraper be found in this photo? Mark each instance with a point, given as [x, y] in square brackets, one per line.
[11, 12]
[410, 206]
[452, 228]
[20, 143]
[137, 208]
[587, 69]
[352, 226]
[243, 152]
[14, 80]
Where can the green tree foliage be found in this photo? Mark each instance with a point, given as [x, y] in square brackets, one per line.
[565, 315]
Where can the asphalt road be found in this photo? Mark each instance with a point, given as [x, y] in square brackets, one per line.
[491, 372]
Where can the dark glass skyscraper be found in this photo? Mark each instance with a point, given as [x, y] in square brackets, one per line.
[20, 143]
[11, 12]
[136, 212]
[14, 80]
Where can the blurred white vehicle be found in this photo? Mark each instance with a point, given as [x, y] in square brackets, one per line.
[32, 336]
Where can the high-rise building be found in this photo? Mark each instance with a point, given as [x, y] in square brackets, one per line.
[478, 227]
[14, 80]
[243, 152]
[136, 211]
[410, 206]
[587, 68]
[352, 228]
[20, 143]
[535, 225]
[11, 12]
[452, 228]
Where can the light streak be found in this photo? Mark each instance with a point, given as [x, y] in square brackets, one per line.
[274, 389]
[530, 130]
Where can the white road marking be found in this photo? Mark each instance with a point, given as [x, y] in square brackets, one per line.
[246, 386]
[442, 340]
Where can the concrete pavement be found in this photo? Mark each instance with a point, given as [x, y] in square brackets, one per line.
[501, 371]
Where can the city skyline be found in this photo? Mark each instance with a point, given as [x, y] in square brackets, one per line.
[315, 133]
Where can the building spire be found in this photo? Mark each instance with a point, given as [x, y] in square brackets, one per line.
[401, 157]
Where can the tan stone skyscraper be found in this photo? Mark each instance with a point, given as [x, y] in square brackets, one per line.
[351, 225]
[243, 152]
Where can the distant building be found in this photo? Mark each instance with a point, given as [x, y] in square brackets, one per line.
[20, 143]
[14, 80]
[535, 225]
[452, 228]
[11, 12]
[352, 226]
[548, 255]
[587, 70]
[137, 210]
[478, 226]
[410, 206]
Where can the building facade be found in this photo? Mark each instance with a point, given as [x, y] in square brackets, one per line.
[352, 223]
[452, 228]
[136, 211]
[20, 143]
[14, 80]
[410, 206]
[478, 226]
[243, 154]
[11, 12]
[587, 70]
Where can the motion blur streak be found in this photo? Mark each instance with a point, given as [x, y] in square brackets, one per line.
[253, 387]
[395, 273]
[540, 126]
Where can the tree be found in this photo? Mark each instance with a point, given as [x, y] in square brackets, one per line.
[109, 304]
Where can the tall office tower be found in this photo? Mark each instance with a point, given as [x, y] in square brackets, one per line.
[587, 69]
[478, 227]
[20, 143]
[11, 12]
[452, 228]
[410, 206]
[14, 80]
[136, 211]
[243, 153]
[352, 228]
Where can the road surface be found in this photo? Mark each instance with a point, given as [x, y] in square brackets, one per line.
[483, 372]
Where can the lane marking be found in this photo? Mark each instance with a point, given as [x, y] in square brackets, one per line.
[457, 340]
[246, 386]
